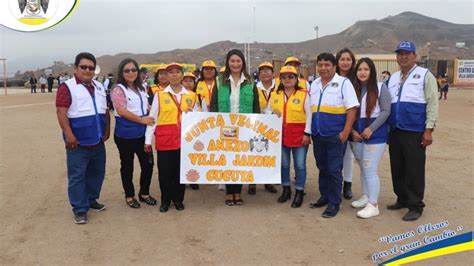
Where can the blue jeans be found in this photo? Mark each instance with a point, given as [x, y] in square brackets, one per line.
[85, 173]
[299, 160]
[368, 157]
[329, 154]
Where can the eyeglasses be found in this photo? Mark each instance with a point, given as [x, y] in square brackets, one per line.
[91, 68]
[288, 77]
[133, 70]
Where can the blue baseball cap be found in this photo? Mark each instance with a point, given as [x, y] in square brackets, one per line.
[406, 46]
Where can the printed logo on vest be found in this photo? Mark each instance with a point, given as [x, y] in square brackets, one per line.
[335, 84]
[416, 76]
[167, 101]
[296, 101]
[189, 102]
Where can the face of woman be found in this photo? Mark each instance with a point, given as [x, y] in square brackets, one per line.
[235, 64]
[163, 77]
[130, 72]
[188, 83]
[175, 76]
[363, 72]
[208, 72]
[345, 62]
[288, 80]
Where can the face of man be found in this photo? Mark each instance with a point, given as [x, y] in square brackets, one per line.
[326, 70]
[406, 60]
[85, 70]
[265, 74]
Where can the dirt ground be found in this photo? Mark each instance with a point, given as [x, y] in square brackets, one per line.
[37, 223]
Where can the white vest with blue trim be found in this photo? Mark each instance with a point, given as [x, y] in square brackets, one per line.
[380, 135]
[408, 100]
[86, 113]
[327, 104]
[134, 105]
[81, 100]
[363, 105]
[137, 103]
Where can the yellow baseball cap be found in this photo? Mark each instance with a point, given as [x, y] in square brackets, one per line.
[161, 67]
[209, 63]
[288, 69]
[174, 64]
[265, 64]
[292, 59]
[189, 74]
[222, 69]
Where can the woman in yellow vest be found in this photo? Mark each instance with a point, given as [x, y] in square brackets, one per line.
[167, 108]
[207, 82]
[160, 82]
[295, 62]
[345, 67]
[265, 86]
[189, 83]
[291, 102]
[236, 94]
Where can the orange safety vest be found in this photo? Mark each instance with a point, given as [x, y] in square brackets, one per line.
[204, 92]
[168, 126]
[294, 116]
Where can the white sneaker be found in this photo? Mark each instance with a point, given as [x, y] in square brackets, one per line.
[221, 187]
[369, 211]
[360, 203]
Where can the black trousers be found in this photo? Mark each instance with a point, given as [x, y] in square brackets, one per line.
[407, 163]
[233, 189]
[50, 87]
[127, 150]
[168, 174]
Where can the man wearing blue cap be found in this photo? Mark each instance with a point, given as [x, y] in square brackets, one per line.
[412, 121]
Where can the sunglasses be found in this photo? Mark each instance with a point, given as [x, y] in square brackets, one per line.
[288, 77]
[90, 68]
[133, 70]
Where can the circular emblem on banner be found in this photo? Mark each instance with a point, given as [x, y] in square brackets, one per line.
[35, 15]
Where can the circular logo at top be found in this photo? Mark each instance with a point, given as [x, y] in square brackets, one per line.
[35, 15]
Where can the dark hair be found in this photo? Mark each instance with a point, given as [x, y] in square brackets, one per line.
[327, 57]
[386, 72]
[155, 77]
[201, 74]
[351, 54]
[84, 55]
[121, 80]
[194, 81]
[227, 67]
[372, 87]
[281, 87]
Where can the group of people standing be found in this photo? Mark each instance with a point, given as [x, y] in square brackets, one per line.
[45, 82]
[343, 113]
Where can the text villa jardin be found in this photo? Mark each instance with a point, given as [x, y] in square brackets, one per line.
[231, 145]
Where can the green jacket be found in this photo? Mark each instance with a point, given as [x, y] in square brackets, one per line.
[248, 98]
